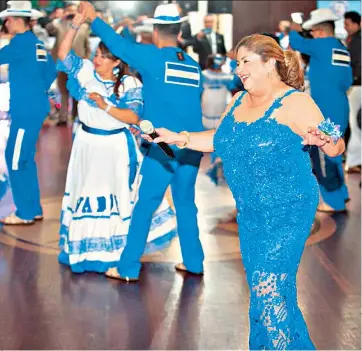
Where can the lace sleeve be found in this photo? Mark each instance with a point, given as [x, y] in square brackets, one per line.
[132, 97]
[71, 65]
[134, 101]
[76, 68]
[79, 72]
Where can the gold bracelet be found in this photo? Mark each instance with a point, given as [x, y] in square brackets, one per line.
[187, 140]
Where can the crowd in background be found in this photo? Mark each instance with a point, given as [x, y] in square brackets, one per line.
[218, 64]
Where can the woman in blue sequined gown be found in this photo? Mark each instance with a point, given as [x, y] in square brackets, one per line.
[263, 140]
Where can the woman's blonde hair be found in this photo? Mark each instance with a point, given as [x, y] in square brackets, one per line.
[287, 62]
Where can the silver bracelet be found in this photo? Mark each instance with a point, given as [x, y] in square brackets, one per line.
[73, 26]
[108, 108]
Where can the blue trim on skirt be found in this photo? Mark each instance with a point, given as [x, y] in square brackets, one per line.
[158, 244]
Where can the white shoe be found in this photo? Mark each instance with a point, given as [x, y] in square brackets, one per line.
[13, 219]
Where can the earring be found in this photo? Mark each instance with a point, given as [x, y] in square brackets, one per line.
[115, 70]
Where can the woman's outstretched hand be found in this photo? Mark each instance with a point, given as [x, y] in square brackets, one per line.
[166, 136]
[315, 137]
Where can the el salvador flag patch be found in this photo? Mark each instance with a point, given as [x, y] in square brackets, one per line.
[41, 53]
[181, 74]
[341, 58]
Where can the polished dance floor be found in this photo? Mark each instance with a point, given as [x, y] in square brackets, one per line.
[43, 306]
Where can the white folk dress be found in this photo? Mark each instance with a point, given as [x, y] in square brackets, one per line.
[103, 176]
[215, 97]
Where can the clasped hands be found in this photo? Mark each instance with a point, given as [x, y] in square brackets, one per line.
[87, 11]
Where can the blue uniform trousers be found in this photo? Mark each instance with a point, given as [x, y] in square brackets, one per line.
[158, 172]
[20, 160]
[329, 170]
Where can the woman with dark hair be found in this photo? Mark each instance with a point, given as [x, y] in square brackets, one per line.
[262, 141]
[101, 186]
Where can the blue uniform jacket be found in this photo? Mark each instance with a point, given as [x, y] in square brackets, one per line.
[172, 80]
[330, 74]
[31, 73]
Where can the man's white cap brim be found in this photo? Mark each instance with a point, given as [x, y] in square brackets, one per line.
[17, 9]
[9, 13]
[165, 20]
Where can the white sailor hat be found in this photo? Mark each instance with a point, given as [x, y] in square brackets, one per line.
[17, 9]
[166, 14]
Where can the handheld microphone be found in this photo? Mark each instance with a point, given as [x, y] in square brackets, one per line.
[148, 128]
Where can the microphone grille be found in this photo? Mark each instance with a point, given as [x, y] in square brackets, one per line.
[146, 127]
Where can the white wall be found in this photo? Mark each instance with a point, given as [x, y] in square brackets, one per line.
[225, 27]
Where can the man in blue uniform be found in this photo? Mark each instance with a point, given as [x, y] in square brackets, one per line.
[172, 93]
[330, 77]
[31, 72]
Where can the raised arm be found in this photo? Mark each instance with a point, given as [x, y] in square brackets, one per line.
[87, 47]
[136, 55]
[305, 46]
[306, 119]
[66, 45]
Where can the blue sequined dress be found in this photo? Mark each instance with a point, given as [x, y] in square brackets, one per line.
[276, 196]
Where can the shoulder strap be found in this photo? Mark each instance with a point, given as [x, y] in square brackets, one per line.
[277, 102]
[237, 102]
[241, 96]
[289, 92]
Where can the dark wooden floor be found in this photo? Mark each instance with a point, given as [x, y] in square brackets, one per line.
[43, 306]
